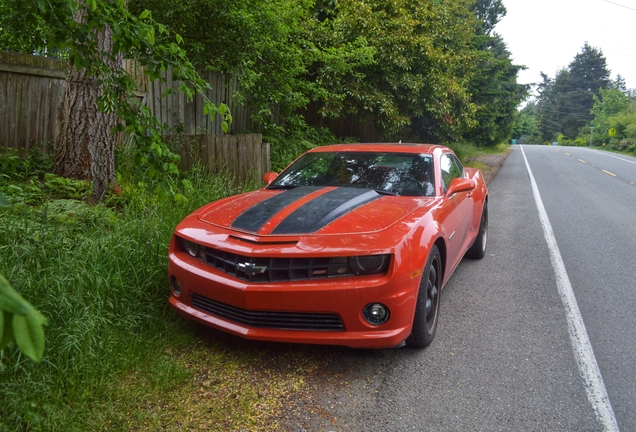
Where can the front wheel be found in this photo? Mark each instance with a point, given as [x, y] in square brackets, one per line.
[478, 249]
[427, 307]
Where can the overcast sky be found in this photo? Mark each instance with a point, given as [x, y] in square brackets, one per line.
[545, 35]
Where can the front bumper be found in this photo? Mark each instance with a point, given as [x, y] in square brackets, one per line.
[343, 297]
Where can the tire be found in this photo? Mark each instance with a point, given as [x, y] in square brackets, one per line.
[427, 306]
[478, 249]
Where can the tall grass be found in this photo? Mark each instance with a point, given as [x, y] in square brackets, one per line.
[99, 275]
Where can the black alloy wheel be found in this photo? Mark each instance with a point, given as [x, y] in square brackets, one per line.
[427, 307]
[478, 249]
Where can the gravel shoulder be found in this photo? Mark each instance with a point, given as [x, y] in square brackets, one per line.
[488, 163]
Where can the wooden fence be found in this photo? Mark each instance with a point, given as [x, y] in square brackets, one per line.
[179, 114]
[30, 90]
[244, 157]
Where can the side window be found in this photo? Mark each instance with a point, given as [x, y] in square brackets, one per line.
[451, 168]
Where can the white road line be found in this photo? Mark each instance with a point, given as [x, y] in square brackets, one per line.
[583, 352]
[611, 155]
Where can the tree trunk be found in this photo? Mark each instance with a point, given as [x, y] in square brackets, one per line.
[84, 145]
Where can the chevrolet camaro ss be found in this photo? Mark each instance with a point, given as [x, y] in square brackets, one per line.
[349, 245]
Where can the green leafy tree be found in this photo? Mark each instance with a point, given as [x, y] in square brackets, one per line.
[564, 103]
[548, 114]
[588, 75]
[99, 95]
[402, 64]
[526, 127]
[625, 124]
[489, 13]
[20, 33]
[417, 85]
[608, 104]
[495, 92]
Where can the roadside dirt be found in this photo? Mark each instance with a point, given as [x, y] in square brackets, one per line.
[492, 163]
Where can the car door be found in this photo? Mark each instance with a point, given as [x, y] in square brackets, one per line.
[458, 209]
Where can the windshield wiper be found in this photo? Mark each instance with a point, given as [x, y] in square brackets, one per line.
[285, 187]
[384, 192]
[379, 191]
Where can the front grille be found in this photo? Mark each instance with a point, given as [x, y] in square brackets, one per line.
[276, 269]
[267, 319]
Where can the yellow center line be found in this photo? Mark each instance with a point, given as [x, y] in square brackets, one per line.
[581, 160]
[607, 172]
[567, 153]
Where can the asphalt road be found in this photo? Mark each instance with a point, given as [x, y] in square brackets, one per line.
[503, 357]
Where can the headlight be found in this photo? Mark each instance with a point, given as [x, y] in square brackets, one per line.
[190, 247]
[369, 264]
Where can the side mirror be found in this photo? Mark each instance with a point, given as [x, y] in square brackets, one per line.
[460, 185]
[269, 177]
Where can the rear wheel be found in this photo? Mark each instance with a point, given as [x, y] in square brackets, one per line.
[478, 249]
[427, 307]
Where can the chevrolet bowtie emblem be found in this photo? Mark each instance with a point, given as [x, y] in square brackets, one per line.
[251, 269]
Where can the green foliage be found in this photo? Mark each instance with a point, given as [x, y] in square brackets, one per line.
[37, 190]
[607, 105]
[23, 35]
[98, 274]
[495, 91]
[139, 37]
[489, 12]
[404, 65]
[625, 124]
[14, 166]
[279, 56]
[564, 103]
[20, 321]
[562, 140]
[289, 143]
[417, 83]
[526, 126]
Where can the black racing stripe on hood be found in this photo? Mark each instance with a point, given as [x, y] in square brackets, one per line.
[326, 208]
[256, 216]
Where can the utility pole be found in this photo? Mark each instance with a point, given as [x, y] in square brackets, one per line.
[591, 135]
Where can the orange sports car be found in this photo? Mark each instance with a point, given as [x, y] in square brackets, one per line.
[349, 245]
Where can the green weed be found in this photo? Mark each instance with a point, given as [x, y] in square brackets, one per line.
[116, 355]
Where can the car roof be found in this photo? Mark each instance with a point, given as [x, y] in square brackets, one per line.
[381, 147]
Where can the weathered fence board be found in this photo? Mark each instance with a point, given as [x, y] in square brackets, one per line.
[183, 116]
[30, 90]
[244, 157]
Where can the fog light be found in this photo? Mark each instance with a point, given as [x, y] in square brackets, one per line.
[174, 284]
[376, 313]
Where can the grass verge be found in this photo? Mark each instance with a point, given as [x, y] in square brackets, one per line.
[117, 357]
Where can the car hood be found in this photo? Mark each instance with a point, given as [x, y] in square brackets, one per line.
[311, 210]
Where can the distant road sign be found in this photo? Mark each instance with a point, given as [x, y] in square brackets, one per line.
[611, 132]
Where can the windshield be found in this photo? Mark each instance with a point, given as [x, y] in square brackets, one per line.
[394, 173]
